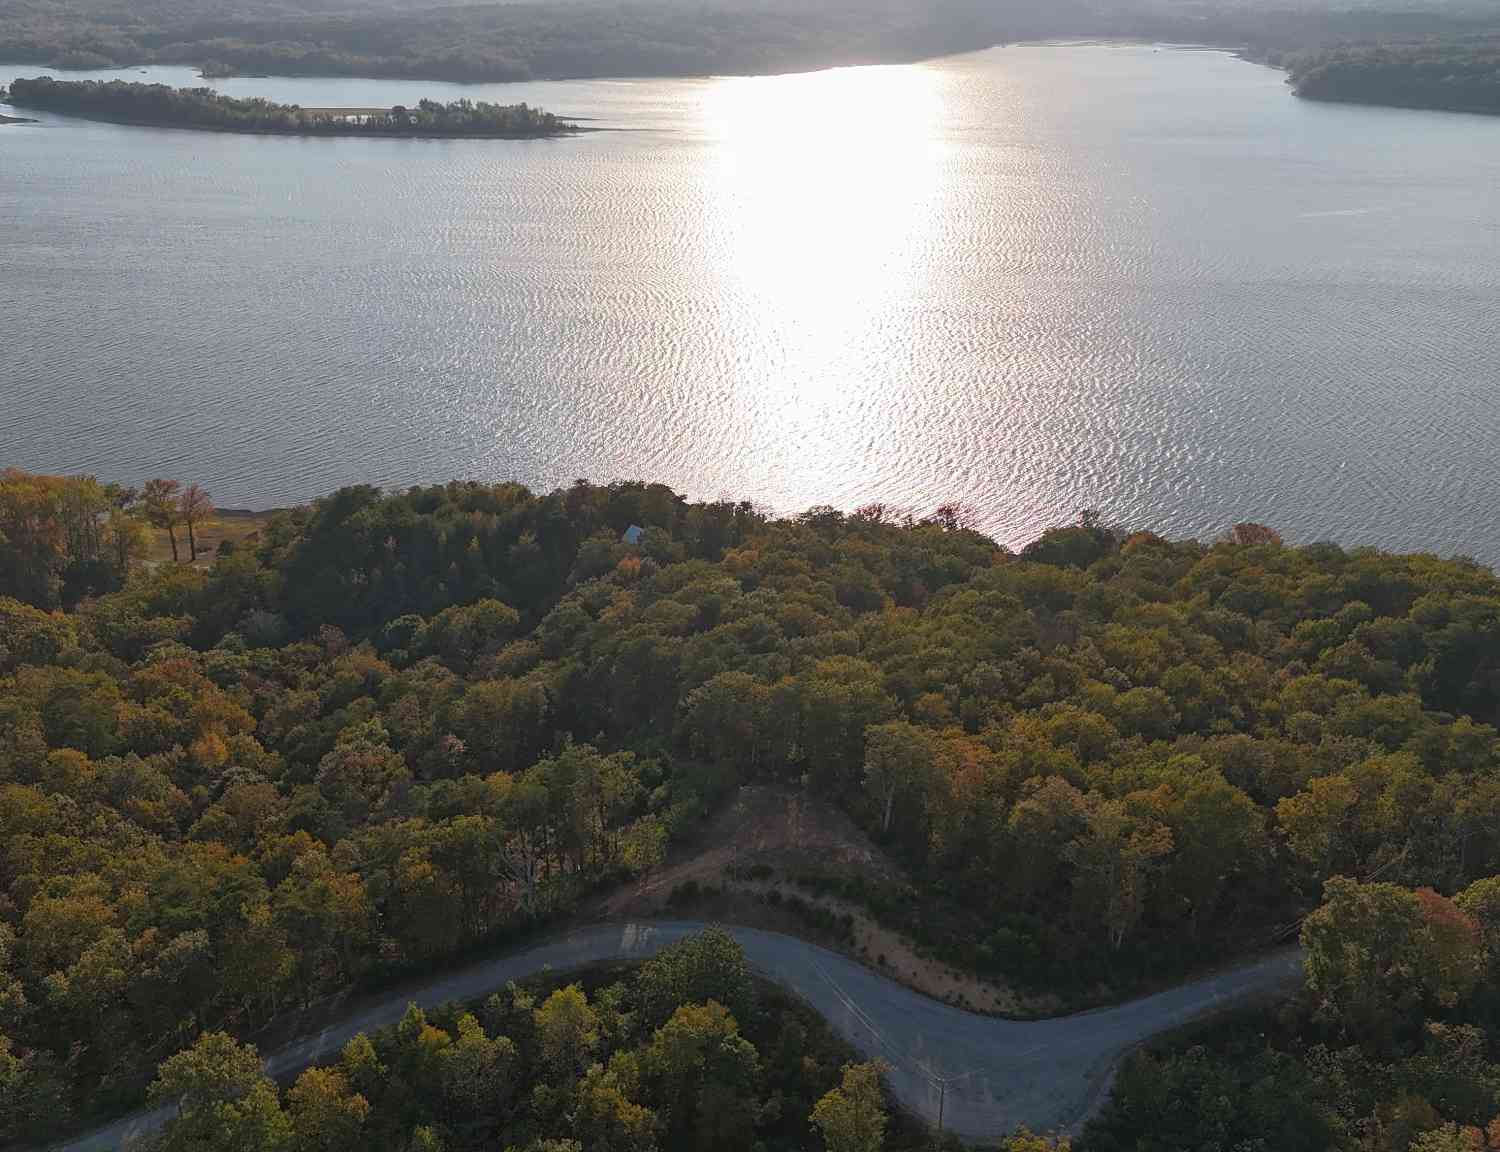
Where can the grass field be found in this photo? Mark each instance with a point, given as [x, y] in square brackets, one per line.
[224, 524]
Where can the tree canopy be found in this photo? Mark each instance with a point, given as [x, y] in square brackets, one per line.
[204, 108]
[401, 726]
[1457, 74]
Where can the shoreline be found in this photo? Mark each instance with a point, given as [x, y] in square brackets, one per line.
[894, 60]
[1396, 106]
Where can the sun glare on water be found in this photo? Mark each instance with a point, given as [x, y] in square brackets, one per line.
[826, 177]
[824, 191]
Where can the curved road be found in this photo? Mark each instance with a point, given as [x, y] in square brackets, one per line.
[991, 1076]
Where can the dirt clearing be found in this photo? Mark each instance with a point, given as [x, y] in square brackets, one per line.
[741, 868]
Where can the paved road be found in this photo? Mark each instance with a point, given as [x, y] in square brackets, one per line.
[999, 1074]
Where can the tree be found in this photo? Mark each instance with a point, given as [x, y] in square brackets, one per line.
[839, 698]
[725, 721]
[1114, 861]
[127, 540]
[159, 498]
[852, 1116]
[255, 962]
[225, 1103]
[567, 1031]
[1377, 956]
[33, 1100]
[503, 723]
[1050, 815]
[1450, 1138]
[324, 914]
[194, 506]
[461, 636]
[707, 965]
[1253, 535]
[898, 764]
[32, 636]
[1480, 902]
[52, 537]
[704, 1075]
[478, 1073]
[363, 776]
[326, 1115]
[1218, 836]
[361, 1065]
[605, 1119]
[1025, 1141]
[1318, 823]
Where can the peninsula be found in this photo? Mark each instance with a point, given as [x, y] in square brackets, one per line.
[1451, 76]
[203, 108]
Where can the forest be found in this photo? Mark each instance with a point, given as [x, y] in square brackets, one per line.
[1459, 76]
[397, 728]
[204, 108]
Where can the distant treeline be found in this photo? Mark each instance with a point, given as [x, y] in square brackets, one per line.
[1461, 76]
[119, 101]
[496, 42]
[532, 39]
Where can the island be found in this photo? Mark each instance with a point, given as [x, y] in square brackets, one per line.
[1447, 75]
[158, 104]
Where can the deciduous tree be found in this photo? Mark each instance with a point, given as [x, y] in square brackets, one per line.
[159, 500]
[852, 1116]
[194, 506]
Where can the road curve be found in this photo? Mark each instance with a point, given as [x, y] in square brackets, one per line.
[992, 1076]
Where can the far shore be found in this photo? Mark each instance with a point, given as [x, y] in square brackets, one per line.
[4, 119]
[892, 60]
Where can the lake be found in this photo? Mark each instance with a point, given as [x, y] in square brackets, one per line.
[1033, 279]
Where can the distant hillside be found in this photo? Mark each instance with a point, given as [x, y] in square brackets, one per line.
[581, 38]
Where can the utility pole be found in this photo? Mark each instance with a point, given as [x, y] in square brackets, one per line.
[942, 1083]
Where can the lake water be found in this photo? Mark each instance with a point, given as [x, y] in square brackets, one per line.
[1034, 279]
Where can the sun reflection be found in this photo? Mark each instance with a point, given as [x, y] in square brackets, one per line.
[824, 192]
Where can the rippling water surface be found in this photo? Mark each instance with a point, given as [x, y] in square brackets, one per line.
[1032, 279]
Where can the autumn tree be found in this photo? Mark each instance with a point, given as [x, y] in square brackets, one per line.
[567, 1031]
[1378, 956]
[160, 504]
[224, 1100]
[194, 506]
[326, 1114]
[52, 537]
[852, 1116]
[606, 1119]
[1251, 535]
[704, 1075]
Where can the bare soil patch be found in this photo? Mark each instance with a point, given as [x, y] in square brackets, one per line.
[739, 869]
